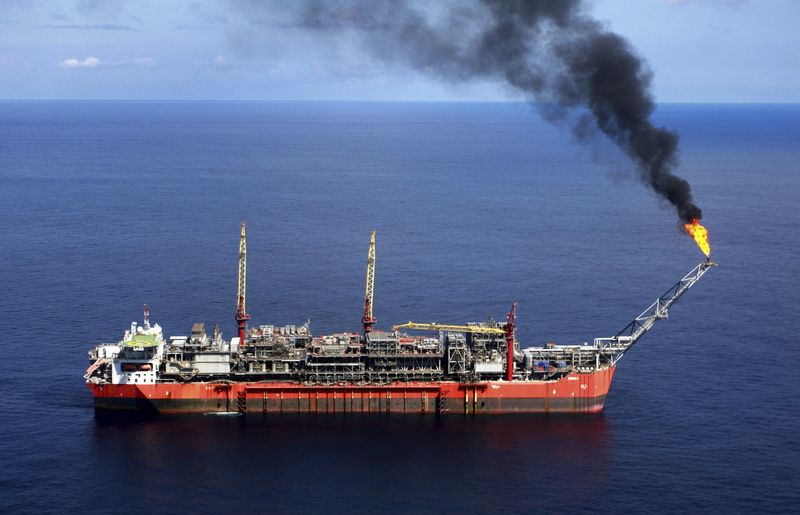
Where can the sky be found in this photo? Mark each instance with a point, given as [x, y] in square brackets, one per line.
[698, 50]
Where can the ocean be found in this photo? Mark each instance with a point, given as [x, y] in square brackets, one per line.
[106, 206]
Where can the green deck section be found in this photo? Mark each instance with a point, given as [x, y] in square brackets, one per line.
[142, 340]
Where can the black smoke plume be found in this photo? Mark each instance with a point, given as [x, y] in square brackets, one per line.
[551, 51]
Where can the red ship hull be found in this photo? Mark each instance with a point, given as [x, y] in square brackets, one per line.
[574, 393]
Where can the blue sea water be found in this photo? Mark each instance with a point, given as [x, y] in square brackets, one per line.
[107, 206]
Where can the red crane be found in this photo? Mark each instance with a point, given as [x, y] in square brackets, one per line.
[511, 324]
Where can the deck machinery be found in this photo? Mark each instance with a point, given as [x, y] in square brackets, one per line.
[470, 368]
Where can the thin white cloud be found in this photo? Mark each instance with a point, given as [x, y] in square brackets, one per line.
[100, 26]
[89, 62]
[94, 62]
[717, 3]
[144, 62]
[216, 62]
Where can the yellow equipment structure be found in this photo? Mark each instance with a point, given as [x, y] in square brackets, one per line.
[449, 327]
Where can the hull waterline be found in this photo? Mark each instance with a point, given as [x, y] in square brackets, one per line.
[574, 393]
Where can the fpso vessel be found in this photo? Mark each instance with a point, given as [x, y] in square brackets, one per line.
[472, 368]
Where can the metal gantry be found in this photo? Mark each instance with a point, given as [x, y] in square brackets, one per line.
[616, 346]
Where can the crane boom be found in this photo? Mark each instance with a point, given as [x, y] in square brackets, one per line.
[617, 345]
[241, 295]
[369, 289]
[448, 327]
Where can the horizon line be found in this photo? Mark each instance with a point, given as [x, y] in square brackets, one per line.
[365, 101]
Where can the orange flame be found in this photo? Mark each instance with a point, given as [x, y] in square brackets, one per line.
[700, 235]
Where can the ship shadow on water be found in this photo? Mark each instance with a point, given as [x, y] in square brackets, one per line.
[380, 458]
